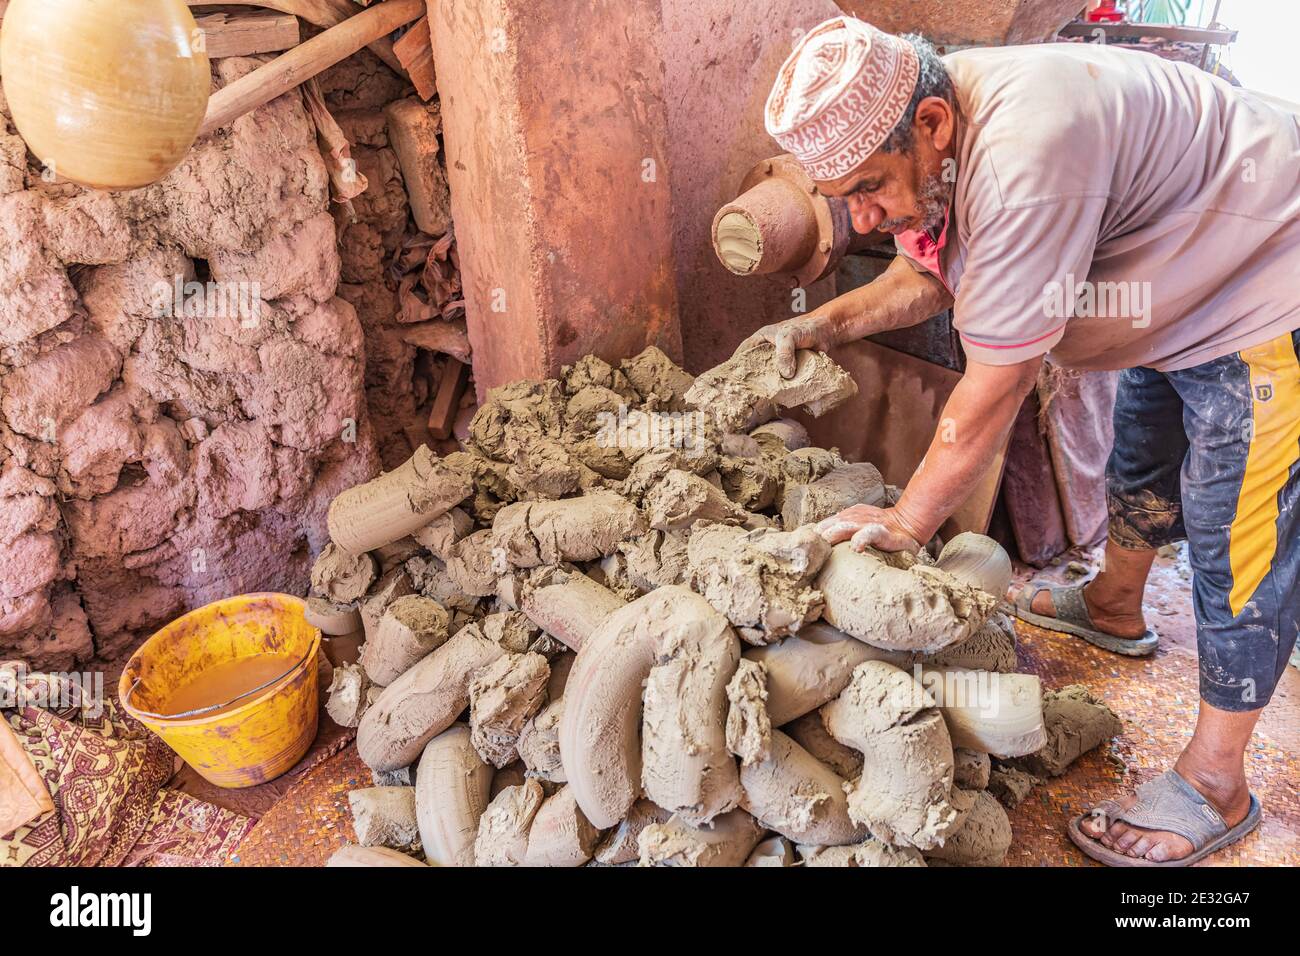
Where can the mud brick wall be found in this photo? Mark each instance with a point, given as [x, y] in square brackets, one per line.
[152, 461]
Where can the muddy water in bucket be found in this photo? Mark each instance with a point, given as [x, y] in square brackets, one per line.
[231, 687]
[224, 686]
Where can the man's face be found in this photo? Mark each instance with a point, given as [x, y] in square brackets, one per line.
[902, 191]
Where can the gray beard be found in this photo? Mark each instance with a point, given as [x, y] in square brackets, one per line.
[932, 203]
[931, 206]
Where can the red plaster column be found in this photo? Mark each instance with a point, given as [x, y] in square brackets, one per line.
[555, 134]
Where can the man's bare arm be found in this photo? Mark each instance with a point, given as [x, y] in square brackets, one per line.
[898, 298]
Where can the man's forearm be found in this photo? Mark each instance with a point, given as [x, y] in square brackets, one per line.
[976, 420]
[897, 299]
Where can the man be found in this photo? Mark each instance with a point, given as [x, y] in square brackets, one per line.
[1120, 212]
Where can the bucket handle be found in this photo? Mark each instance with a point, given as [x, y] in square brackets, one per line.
[214, 707]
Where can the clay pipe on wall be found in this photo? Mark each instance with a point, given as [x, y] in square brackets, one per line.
[771, 227]
[780, 225]
[305, 61]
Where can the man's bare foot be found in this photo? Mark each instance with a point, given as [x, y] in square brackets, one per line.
[1226, 792]
[1107, 617]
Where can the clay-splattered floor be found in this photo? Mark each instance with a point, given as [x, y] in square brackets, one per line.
[1156, 697]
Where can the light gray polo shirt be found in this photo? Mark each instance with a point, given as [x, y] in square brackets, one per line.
[1118, 209]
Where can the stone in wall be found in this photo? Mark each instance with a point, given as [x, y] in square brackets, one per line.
[150, 460]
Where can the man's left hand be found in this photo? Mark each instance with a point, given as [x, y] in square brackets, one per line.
[866, 526]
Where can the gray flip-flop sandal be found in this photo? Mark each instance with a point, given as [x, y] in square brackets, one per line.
[1171, 804]
[1072, 617]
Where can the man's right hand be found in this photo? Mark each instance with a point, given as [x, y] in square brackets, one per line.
[900, 297]
[812, 331]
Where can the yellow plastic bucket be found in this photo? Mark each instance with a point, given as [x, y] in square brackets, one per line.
[263, 733]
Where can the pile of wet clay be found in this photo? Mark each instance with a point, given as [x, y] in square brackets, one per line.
[606, 632]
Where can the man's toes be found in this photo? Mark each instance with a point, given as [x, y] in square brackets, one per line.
[1159, 853]
[1113, 833]
[1172, 847]
[1093, 826]
[1140, 847]
[1128, 839]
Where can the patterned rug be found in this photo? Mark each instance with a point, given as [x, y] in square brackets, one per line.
[104, 772]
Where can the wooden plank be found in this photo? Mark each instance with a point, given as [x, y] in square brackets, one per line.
[321, 13]
[446, 403]
[893, 419]
[245, 34]
[417, 434]
[414, 49]
[413, 134]
[306, 60]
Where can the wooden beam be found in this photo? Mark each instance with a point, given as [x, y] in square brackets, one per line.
[446, 403]
[306, 60]
[413, 135]
[245, 34]
[415, 51]
[321, 13]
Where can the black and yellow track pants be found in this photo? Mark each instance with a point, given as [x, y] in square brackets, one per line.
[1212, 454]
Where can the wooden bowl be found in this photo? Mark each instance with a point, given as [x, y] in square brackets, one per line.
[107, 93]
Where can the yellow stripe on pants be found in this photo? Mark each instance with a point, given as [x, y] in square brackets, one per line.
[1274, 448]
